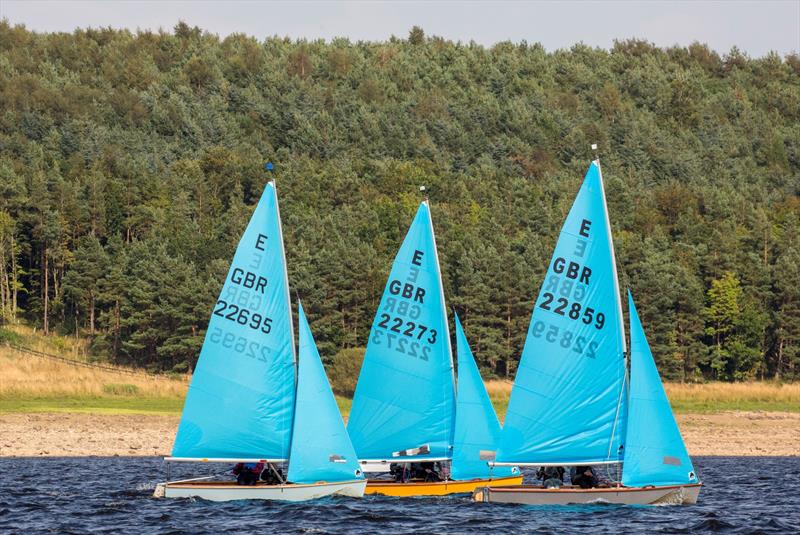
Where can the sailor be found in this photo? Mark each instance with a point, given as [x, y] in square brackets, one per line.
[426, 471]
[247, 473]
[551, 476]
[399, 472]
[584, 477]
[272, 475]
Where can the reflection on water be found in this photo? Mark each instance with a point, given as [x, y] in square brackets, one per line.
[113, 495]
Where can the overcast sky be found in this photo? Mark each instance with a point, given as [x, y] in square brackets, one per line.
[756, 27]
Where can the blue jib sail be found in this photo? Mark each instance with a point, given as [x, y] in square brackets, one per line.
[654, 450]
[568, 389]
[321, 449]
[241, 399]
[477, 430]
[403, 405]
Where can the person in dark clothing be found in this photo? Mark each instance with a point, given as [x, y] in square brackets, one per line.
[247, 473]
[400, 472]
[431, 471]
[272, 476]
[425, 471]
[584, 477]
[551, 476]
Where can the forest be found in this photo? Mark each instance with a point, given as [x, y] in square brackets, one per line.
[131, 161]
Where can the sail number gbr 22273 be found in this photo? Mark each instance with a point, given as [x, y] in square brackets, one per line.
[397, 326]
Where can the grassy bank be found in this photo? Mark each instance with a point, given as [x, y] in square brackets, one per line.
[33, 384]
[93, 405]
[30, 383]
[700, 398]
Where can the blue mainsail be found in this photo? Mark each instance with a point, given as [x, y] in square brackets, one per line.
[241, 399]
[654, 450]
[321, 449]
[568, 390]
[477, 429]
[404, 399]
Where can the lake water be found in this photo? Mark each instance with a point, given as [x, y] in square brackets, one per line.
[113, 495]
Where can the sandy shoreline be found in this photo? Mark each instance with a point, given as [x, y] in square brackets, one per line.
[77, 434]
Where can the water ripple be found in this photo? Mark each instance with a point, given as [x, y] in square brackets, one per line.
[113, 495]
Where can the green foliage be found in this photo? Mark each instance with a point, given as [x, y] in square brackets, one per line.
[736, 328]
[11, 337]
[131, 163]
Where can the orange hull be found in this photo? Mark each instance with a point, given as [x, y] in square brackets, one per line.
[435, 488]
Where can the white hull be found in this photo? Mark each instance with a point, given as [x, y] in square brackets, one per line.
[529, 495]
[222, 491]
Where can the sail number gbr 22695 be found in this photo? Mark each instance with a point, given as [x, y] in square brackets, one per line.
[243, 316]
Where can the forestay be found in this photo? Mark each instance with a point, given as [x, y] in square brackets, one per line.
[321, 449]
[241, 398]
[404, 399]
[655, 453]
[477, 429]
[567, 393]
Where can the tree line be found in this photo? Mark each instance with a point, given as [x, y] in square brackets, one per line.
[130, 163]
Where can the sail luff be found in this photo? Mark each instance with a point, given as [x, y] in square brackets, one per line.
[288, 308]
[617, 295]
[444, 315]
[617, 436]
[285, 271]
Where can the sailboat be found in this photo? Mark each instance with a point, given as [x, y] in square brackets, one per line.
[404, 407]
[244, 405]
[573, 402]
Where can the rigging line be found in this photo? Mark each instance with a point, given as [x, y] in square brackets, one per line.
[616, 414]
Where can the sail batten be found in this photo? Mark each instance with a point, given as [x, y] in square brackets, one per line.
[240, 402]
[564, 403]
[405, 393]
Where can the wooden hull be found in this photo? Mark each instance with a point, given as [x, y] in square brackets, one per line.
[221, 491]
[435, 488]
[530, 495]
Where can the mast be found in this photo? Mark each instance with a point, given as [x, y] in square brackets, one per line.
[618, 300]
[613, 256]
[269, 167]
